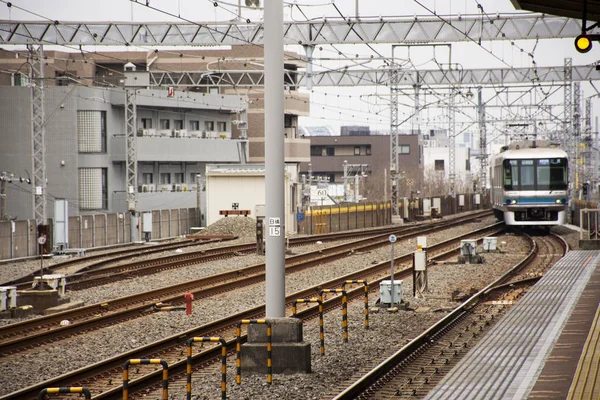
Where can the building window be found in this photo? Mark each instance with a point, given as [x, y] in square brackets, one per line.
[288, 121]
[91, 131]
[439, 165]
[195, 125]
[209, 125]
[368, 150]
[222, 126]
[165, 124]
[93, 190]
[66, 78]
[178, 124]
[146, 123]
[405, 149]
[357, 150]
[467, 164]
[178, 177]
[330, 151]
[147, 178]
[315, 150]
[165, 178]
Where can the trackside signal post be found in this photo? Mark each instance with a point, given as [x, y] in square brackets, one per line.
[290, 353]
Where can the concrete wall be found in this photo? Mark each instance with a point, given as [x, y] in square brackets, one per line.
[95, 230]
[247, 189]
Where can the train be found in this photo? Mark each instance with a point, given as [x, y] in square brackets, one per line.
[529, 184]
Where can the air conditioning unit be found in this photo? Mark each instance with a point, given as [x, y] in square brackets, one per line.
[178, 188]
[183, 133]
[196, 133]
[144, 188]
[151, 187]
[166, 188]
[151, 132]
[164, 132]
[177, 133]
[426, 143]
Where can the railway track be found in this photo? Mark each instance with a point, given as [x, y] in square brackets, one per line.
[417, 367]
[96, 377]
[47, 329]
[101, 259]
[82, 274]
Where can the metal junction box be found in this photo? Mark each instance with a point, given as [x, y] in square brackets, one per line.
[490, 243]
[385, 291]
[468, 247]
[8, 297]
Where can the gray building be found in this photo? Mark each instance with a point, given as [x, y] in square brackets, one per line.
[85, 146]
[328, 154]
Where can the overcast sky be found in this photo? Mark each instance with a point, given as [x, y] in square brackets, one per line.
[330, 106]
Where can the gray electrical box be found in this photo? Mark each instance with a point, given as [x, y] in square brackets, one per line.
[490, 243]
[260, 211]
[385, 291]
[147, 222]
[468, 247]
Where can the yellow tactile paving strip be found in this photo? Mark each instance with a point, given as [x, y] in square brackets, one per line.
[585, 384]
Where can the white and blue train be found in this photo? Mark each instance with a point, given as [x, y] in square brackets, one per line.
[529, 185]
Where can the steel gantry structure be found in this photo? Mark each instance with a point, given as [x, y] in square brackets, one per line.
[364, 30]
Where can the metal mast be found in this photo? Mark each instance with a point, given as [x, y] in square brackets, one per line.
[130, 146]
[131, 82]
[451, 145]
[587, 140]
[38, 134]
[482, 142]
[394, 132]
[576, 140]
[568, 113]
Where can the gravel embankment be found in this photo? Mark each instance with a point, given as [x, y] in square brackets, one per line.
[387, 333]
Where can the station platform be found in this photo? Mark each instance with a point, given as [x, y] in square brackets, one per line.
[545, 347]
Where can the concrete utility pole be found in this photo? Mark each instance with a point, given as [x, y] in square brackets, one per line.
[274, 160]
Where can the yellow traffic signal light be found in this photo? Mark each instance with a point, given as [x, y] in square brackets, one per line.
[583, 43]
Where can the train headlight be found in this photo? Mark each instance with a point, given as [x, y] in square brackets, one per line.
[513, 201]
[558, 201]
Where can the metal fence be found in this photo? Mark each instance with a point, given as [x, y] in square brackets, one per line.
[337, 218]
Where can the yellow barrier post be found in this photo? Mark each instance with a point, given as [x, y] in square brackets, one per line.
[188, 387]
[366, 288]
[321, 329]
[86, 393]
[144, 361]
[344, 308]
[238, 348]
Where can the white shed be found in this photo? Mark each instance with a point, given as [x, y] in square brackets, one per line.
[242, 186]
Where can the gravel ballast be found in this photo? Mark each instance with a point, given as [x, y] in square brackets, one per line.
[387, 333]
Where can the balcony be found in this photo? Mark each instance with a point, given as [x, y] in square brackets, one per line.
[178, 149]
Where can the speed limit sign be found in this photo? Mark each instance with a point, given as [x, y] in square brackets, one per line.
[42, 240]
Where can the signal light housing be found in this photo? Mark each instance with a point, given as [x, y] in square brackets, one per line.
[583, 43]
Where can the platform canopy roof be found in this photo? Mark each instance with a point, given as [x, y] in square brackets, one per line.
[562, 8]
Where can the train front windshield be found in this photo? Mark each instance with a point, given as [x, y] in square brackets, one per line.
[538, 174]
